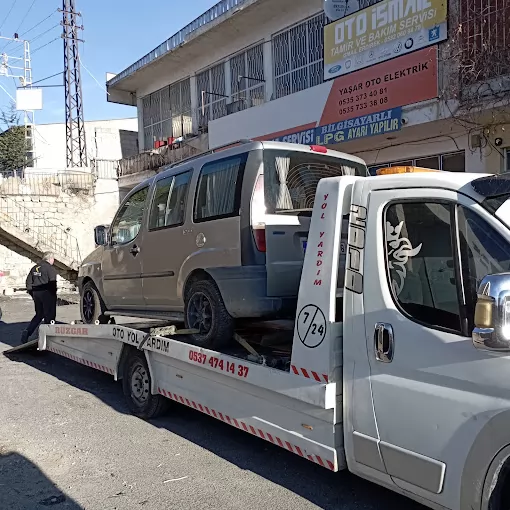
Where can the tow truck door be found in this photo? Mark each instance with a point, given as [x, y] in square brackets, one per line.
[430, 388]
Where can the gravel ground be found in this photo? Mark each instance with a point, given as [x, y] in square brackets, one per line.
[67, 441]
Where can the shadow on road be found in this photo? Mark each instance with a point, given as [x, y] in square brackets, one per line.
[23, 486]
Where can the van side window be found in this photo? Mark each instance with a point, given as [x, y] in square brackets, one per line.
[169, 203]
[420, 263]
[219, 188]
[129, 219]
[483, 250]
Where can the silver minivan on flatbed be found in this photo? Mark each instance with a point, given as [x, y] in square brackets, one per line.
[212, 239]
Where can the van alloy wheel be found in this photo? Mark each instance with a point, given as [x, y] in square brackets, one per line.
[206, 313]
[200, 312]
[88, 305]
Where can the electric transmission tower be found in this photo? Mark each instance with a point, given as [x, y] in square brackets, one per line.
[76, 150]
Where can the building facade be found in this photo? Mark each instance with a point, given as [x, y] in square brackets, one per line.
[106, 140]
[408, 82]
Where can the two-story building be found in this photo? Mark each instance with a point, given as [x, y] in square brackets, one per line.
[386, 81]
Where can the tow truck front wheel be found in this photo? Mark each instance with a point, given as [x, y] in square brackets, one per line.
[136, 384]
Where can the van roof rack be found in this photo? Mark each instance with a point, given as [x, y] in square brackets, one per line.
[210, 151]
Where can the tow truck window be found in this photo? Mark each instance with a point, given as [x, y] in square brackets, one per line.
[169, 204]
[420, 263]
[483, 250]
[129, 219]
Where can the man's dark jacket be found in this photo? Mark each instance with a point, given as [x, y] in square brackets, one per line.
[42, 277]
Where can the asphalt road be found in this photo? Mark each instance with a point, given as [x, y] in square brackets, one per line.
[67, 441]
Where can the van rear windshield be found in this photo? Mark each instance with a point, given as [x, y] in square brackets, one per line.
[291, 178]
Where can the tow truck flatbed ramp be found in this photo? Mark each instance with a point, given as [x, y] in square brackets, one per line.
[276, 405]
[28, 346]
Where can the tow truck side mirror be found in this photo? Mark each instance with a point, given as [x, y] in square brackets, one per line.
[101, 235]
[492, 314]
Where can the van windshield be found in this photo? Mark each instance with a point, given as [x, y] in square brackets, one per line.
[291, 178]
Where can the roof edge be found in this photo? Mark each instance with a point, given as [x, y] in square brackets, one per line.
[184, 35]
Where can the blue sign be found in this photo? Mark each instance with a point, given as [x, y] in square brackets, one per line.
[374, 124]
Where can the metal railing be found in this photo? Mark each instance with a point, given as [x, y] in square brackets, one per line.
[105, 168]
[45, 184]
[154, 160]
[42, 233]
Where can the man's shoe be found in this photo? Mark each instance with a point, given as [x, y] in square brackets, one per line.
[24, 337]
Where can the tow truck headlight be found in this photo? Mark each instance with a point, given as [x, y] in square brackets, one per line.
[492, 314]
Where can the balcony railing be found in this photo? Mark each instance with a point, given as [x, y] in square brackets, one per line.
[155, 159]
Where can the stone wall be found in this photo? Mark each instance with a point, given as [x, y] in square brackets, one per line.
[75, 212]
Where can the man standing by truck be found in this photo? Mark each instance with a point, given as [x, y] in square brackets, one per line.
[41, 284]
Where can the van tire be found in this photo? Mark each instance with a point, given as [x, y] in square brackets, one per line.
[136, 386]
[221, 328]
[90, 297]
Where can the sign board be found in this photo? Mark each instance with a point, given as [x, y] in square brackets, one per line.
[405, 80]
[383, 122]
[29, 99]
[386, 30]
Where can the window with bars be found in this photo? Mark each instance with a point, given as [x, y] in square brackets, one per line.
[484, 33]
[298, 61]
[507, 160]
[247, 79]
[166, 113]
[451, 162]
[211, 93]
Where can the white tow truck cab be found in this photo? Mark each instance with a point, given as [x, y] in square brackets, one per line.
[390, 372]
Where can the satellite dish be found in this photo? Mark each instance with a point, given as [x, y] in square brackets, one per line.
[336, 9]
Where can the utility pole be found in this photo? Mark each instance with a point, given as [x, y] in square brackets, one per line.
[76, 150]
[17, 67]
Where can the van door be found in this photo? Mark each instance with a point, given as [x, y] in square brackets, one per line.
[165, 245]
[122, 270]
[214, 226]
[433, 392]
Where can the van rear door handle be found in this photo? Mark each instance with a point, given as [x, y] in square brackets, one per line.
[135, 250]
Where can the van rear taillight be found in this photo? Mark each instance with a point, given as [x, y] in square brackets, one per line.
[258, 215]
[259, 234]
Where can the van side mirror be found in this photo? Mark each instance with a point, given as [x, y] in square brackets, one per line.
[492, 314]
[101, 235]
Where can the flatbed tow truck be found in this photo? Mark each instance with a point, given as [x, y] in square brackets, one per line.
[396, 366]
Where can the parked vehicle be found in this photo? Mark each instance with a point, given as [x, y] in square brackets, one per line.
[215, 238]
[397, 370]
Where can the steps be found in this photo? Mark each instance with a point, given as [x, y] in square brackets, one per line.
[29, 234]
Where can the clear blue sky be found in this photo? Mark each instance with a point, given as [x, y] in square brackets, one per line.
[117, 33]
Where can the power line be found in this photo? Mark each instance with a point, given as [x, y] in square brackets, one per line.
[93, 77]
[40, 23]
[44, 45]
[45, 32]
[26, 14]
[8, 13]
